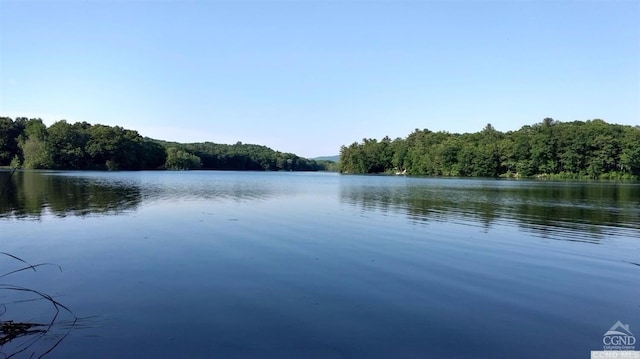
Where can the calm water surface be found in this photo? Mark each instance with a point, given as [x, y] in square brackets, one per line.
[317, 265]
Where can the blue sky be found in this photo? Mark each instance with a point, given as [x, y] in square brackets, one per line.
[307, 77]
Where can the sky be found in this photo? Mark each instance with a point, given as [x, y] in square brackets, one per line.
[310, 76]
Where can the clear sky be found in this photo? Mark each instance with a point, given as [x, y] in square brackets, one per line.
[307, 77]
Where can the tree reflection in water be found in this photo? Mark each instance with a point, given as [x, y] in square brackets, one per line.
[572, 211]
[29, 194]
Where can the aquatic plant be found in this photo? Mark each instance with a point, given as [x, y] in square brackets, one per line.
[20, 335]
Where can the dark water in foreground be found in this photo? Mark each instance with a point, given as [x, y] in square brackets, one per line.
[315, 265]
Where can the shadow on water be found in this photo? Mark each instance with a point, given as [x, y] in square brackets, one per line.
[32, 323]
[585, 212]
[31, 194]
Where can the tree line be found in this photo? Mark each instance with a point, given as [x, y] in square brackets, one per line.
[593, 149]
[238, 156]
[30, 144]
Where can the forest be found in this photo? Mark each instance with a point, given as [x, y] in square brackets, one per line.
[591, 149]
[30, 144]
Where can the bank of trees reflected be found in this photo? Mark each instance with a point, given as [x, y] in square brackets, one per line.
[568, 211]
[33, 194]
[30, 195]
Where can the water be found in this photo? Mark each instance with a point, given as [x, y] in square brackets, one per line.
[318, 265]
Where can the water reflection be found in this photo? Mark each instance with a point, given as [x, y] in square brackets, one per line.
[207, 185]
[321, 256]
[559, 210]
[32, 194]
[582, 211]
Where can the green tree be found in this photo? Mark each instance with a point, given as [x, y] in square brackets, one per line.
[488, 160]
[543, 148]
[398, 148]
[154, 155]
[114, 148]
[32, 143]
[8, 144]
[630, 154]
[178, 159]
[66, 145]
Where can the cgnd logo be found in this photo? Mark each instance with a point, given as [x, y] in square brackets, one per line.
[619, 337]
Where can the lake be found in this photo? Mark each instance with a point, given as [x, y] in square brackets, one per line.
[208, 264]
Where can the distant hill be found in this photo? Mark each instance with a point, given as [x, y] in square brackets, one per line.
[327, 158]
